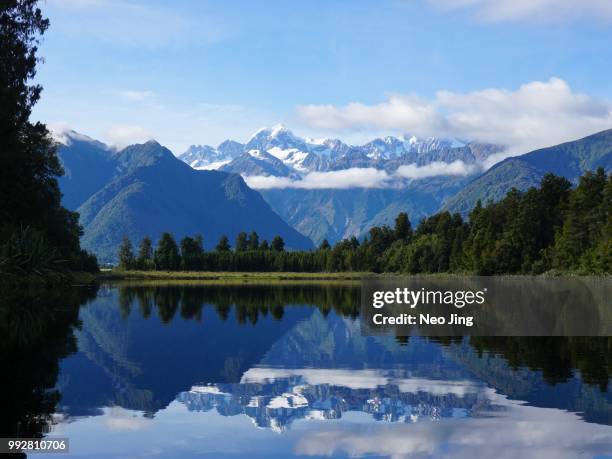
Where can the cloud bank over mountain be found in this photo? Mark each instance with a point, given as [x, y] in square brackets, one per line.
[362, 177]
[535, 115]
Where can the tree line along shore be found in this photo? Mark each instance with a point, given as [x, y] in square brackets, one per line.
[551, 228]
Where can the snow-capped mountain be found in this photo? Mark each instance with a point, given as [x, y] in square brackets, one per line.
[277, 151]
[207, 157]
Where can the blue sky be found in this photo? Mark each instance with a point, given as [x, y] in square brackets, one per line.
[523, 72]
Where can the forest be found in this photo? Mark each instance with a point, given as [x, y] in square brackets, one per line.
[551, 228]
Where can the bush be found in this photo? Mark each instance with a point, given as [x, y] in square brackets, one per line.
[26, 250]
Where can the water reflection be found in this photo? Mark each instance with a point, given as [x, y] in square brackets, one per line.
[172, 370]
[37, 331]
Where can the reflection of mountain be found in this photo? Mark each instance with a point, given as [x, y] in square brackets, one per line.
[141, 363]
[327, 362]
[248, 350]
[274, 398]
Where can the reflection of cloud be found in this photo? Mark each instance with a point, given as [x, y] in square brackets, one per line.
[522, 431]
[361, 177]
[362, 379]
[118, 418]
[530, 10]
[535, 115]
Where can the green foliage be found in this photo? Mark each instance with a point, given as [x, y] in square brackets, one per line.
[27, 250]
[126, 254]
[242, 242]
[29, 166]
[166, 256]
[145, 255]
[191, 253]
[528, 232]
[253, 241]
[278, 244]
[403, 228]
[583, 243]
[223, 245]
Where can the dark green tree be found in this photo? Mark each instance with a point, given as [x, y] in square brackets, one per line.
[253, 241]
[144, 260]
[29, 166]
[403, 228]
[126, 254]
[223, 245]
[166, 256]
[264, 245]
[278, 244]
[585, 219]
[242, 242]
[191, 254]
[324, 245]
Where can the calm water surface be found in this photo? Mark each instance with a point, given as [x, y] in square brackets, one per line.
[130, 371]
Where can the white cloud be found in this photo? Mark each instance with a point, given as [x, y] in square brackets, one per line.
[136, 96]
[434, 169]
[361, 177]
[121, 135]
[537, 114]
[531, 10]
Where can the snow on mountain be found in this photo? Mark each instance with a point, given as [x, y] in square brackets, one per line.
[68, 137]
[207, 157]
[279, 152]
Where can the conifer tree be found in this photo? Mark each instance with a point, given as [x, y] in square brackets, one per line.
[253, 241]
[278, 244]
[126, 254]
[145, 254]
[403, 228]
[223, 245]
[241, 242]
[166, 254]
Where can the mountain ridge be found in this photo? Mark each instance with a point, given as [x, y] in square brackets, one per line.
[148, 191]
[569, 159]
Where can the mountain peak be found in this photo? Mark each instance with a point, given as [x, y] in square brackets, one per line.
[69, 136]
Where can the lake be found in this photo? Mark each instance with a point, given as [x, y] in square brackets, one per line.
[187, 370]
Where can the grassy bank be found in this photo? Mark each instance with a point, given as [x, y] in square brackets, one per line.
[227, 276]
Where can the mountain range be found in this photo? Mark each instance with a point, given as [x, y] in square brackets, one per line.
[424, 175]
[277, 152]
[145, 190]
[415, 182]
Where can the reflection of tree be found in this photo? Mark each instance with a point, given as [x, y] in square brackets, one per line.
[37, 331]
[555, 356]
[249, 303]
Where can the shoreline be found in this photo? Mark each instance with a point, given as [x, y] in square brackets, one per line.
[83, 279]
[227, 276]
